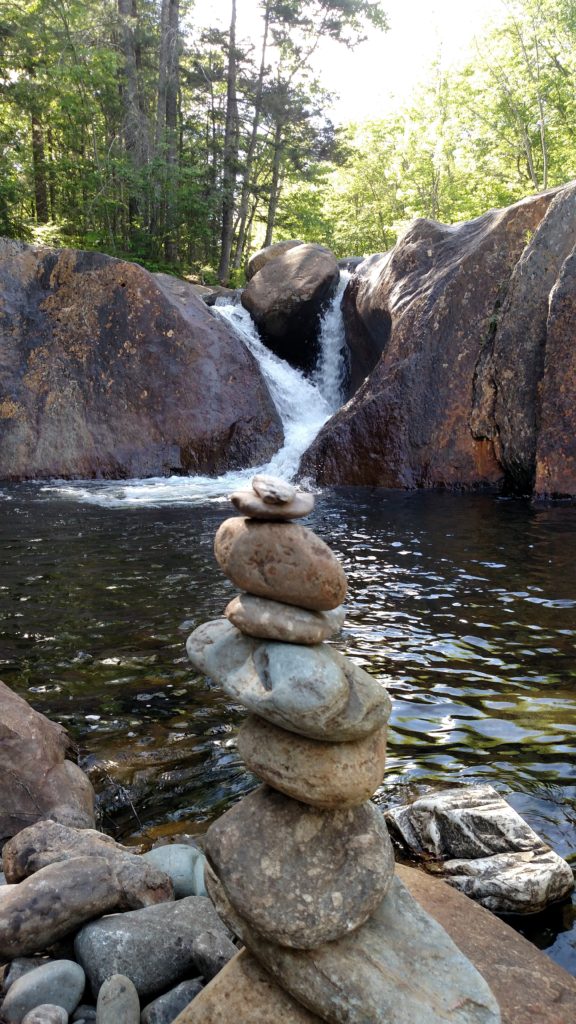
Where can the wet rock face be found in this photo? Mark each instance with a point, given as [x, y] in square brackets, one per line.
[286, 297]
[432, 306]
[107, 372]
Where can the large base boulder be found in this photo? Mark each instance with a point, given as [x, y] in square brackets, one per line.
[285, 298]
[476, 382]
[106, 372]
[38, 779]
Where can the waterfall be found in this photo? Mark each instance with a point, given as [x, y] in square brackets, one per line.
[303, 403]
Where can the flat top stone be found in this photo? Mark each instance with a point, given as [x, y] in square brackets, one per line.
[251, 505]
[282, 561]
[313, 691]
[272, 489]
[299, 875]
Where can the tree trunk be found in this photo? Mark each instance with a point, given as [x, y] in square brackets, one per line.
[39, 170]
[251, 151]
[166, 135]
[230, 155]
[275, 185]
[136, 140]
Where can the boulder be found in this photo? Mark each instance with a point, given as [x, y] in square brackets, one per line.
[282, 561]
[55, 900]
[399, 967]
[180, 289]
[430, 305]
[312, 691]
[526, 376]
[165, 1008]
[60, 983]
[264, 256]
[286, 298]
[299, 876]
[38, 779]
[364, 348]
[106, 372]
[138, 883]
[157, 946]
[484, 848]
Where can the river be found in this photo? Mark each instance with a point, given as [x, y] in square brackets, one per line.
[464, 606]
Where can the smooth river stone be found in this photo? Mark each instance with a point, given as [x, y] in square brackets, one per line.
[282, 561]
[118, 1001]
[60, 983]
[298, 875]
[400, 967]
[249, 504]
[312, 691]
[272, 489]
[272, 620]
[324, 775]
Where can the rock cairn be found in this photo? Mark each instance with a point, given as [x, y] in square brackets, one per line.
[302, 869]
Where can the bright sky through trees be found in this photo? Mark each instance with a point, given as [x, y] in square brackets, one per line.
[381, 72]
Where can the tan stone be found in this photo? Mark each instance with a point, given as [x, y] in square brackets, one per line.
[298, 875]
[530, 988]
[249, 504]
[324, 775]
[272, 489]
[282, 561]
[273, 620]
[243, 993]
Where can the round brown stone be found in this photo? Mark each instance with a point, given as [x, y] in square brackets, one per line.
[282, 561]
[273, 620]
[298, 875]
[324, 775]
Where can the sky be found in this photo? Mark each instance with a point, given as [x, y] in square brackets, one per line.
[380, 73]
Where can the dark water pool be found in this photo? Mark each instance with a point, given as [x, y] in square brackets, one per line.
[465, 606]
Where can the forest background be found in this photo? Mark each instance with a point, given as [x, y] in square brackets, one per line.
[124, 128]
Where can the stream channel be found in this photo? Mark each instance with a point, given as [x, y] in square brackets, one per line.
[464, 606]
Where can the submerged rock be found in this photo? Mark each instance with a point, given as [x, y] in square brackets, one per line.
[300, 876]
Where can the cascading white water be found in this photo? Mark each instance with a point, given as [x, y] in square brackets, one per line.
[303, 404]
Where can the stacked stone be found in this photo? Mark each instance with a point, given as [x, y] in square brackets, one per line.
[302, 869]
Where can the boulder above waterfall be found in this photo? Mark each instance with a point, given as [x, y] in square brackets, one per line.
[270, 252]
[107, 372]
[286, 297]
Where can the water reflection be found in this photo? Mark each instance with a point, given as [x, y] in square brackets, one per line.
[463, 606]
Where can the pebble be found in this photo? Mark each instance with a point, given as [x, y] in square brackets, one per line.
[84, 1012]
[400, 966]
[298, 875]
[157, 946]
[274, 490]
[46, 1013]
[312, 691]
[22, 965]
[272, 620]
[324, 775]
[164, 1009]
[282, 561]
[60, 983]
[184, 864]
[249, 504]
[118, 1002]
